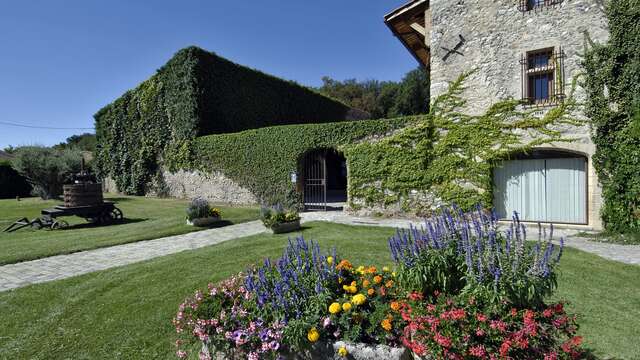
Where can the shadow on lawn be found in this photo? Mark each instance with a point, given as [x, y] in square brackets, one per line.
[92, 225]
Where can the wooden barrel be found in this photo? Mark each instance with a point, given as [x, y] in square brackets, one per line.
[87, 194]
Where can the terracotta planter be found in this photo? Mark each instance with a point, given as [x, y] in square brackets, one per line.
[201, 222]
[286, 227]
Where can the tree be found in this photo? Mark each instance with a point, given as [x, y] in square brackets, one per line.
[47, 169]
[412, 96]
[383, 99]
[83, 142]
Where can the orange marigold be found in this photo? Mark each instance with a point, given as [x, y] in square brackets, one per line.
[371, 291]
[372, 270]
[395, 306]
[389, 283]
[344, 264]
[386, 324]
[366, 283]
[377, 279]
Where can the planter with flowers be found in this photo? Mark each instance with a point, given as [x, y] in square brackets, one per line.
[201, 214]
[459, 290]
[279, 220]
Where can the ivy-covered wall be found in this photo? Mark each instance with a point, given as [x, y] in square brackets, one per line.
[447, 156]
[197, 93]
[613, 87]
[261, 160]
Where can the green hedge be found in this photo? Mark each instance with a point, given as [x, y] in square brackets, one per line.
[11, 183]
[262, 160]
[196, 93]
[613, 87]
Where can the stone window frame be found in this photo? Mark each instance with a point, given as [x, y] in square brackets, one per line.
[534, 5]
[554, 65]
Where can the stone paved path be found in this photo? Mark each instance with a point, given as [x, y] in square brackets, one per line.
[64, 266]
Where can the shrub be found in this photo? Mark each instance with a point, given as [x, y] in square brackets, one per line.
[200, 208]
[276, 215]
[47, 169]
[459, 252]
[11, 183]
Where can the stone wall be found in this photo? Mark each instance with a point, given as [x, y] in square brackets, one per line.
[496, 35]
[215, 187]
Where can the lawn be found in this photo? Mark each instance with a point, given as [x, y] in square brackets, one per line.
[125, 313]
[146, 218]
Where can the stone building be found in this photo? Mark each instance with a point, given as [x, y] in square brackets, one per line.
[529, 50]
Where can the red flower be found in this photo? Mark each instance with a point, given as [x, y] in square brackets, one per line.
[416, 296]
[505, 347]
[547, 313]
[442, 340]
[481, 317]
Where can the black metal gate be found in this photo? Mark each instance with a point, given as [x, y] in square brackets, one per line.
[315, 181]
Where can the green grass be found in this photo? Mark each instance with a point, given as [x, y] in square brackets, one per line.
[125, 313]
[612, 238]
[146, 218]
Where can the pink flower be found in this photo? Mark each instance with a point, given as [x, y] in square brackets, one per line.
[181, 354]
[326, 322]
[478, 351]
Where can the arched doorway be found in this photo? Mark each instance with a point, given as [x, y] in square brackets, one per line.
[543, 186]
[324, 180]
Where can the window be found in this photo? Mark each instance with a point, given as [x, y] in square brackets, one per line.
[543, 76]
[528, 5]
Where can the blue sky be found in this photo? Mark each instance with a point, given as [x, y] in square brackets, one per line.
[61, 61]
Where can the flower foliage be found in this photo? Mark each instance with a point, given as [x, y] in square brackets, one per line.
[199, 208]
[465, 252]
[453, 328]
[460, 290]
[276, 215]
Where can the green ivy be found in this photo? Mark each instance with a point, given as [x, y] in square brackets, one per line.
[613, 87]
[447, 154]
[262, 160]
[196, 93]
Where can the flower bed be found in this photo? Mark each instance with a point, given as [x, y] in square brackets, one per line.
[279, 220]
[459, 290]
[200, 213]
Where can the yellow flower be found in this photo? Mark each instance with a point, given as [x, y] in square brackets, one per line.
[395, 306]
[350, 289]
[385, 269]
[360, 270]
[346, 306]
[334, 308]
[340, 280]
[353, 283]
[343, 351]
[377, 279]
[393, 274]
[330, 260]
[386, 324]
[371, 291]
[358, 299]
[313, 335]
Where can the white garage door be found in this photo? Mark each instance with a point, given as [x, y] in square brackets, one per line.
[551, 190]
